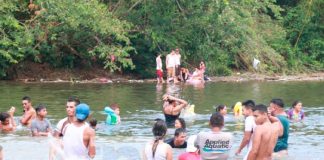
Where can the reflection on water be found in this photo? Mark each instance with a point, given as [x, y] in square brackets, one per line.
[141, 104]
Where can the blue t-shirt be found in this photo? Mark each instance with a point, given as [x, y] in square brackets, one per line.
[282, 142]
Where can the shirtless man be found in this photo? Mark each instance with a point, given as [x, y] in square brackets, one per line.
[265, 135]
[29, 112]
[171, 108]
[79, 137]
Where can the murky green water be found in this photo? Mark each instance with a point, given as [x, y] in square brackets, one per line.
[141, 104]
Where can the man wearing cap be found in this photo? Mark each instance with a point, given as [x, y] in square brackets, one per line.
[192, 152]
[79, 138]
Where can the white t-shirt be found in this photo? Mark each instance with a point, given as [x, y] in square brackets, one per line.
[60, 125]
[249, 127]
[214, 145]
[170, 59]
[158, 64]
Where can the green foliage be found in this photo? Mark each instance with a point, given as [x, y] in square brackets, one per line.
[64, 34]
[15, 40]
[304, 24]
[286, 36]
[73, 34]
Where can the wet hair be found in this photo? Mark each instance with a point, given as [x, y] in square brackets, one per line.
[40, 107]
[159, 130]
[74, 99]
[216, 120]
[249, 104]
[220, 107]
[26, 98]
[182, 122]
[114, 106]
[261, 108]
[4, 116]
[279, 102]
[93, 122]
[178, 131]
[295, 103]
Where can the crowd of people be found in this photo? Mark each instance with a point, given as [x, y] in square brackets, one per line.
[176, 72]
[76, 132]
[266, 132]
[73, 132]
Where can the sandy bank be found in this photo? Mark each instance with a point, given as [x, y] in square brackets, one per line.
[238, 77]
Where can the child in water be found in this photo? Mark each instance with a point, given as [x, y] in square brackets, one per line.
[8, 123]
[113, 114]
[93, 123]
[41, 126]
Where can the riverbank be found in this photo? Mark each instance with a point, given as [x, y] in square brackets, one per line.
[238, 77]
[44, 73]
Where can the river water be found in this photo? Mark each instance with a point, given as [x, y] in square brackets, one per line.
[141, 104]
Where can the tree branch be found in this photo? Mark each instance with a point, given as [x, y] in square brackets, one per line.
[134, 5]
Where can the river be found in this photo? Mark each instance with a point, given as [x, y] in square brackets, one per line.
[141, 104]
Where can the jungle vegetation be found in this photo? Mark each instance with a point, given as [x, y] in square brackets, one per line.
[125, 36]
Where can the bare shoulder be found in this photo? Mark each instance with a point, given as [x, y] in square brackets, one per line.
[277, 127]
[90, 131]
[259, 129]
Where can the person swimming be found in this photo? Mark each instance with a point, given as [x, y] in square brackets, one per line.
[296, 112]
[8, 123]
[180, 123]
[113, 117]
[222, 109]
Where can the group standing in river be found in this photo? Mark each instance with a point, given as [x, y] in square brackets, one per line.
[176, 72]
[263, 125]
[265, 135]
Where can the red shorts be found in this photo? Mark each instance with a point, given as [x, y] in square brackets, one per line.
[159, 73]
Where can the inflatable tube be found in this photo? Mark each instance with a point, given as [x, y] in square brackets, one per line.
[237, 109]
[111, 116]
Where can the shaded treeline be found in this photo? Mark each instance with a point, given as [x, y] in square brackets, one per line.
[125, 35]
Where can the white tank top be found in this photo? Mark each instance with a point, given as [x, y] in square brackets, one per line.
[74, 148]
[160, 153]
